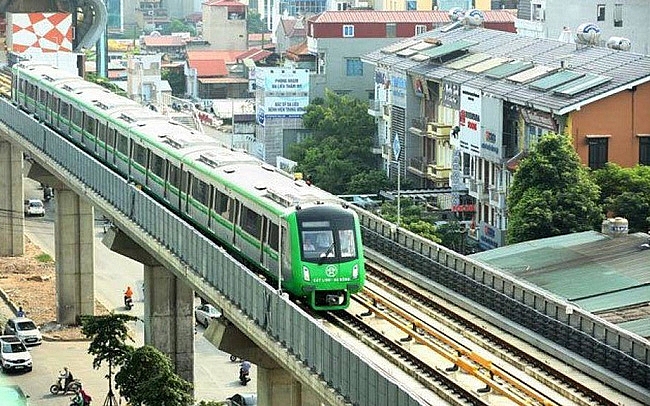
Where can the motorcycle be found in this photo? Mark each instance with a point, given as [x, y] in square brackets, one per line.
[58, 389]
[128, 303]
[244, 373]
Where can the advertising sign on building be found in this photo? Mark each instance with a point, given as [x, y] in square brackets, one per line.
[489, 237]
[470, 120]
[286, 91]
[398, 90]
[492, 129]
[451, 95]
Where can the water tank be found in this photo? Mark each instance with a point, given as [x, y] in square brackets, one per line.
[588, 33]
[614, 226]
[620, 43]
[474, 17]
[456, 13]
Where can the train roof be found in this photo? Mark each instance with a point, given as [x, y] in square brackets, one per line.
[236, 169]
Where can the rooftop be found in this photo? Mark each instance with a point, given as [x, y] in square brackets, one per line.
[596, 272]
[372, 16]
[545, 74]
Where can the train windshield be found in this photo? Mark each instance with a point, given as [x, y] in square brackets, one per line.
[328, 241]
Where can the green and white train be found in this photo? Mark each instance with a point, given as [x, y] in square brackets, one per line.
[250, 207]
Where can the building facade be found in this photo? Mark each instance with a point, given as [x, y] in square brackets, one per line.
[615, 18]
[224, 24]
[468, 103]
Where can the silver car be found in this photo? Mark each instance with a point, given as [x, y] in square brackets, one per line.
[205, 313]
[25, 329]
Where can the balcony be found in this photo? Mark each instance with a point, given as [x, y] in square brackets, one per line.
[375, 108]
[497, 197]
[418, 166]
[439, 175]
[438, 131]
[418, 126]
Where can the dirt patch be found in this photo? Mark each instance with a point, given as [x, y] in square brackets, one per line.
[30, 281]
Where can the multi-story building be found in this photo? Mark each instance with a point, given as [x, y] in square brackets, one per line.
[615, 18]
[224, 24]
[469, 102]
[338, 39]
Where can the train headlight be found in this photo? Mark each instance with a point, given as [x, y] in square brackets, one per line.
[305, 273]
[355, 271]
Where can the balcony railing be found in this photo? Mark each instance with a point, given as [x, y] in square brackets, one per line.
[418, 166]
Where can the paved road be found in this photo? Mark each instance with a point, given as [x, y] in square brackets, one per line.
[215, 375]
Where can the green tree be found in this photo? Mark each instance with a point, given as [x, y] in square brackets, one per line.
[177, 25]
[254, 23]
[625, 192]
[551, 193]
[148, 379]
[340, 146]
[176, 81]
[109, 334]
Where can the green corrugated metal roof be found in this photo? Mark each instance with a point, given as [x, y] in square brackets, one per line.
[448, 48]
[556, 79]
[640, 327]
[580, 85]
[595, 271]
[508, 69]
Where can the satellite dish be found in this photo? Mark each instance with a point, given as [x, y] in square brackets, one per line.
[456, 13]
[474, 17]
[588, 34]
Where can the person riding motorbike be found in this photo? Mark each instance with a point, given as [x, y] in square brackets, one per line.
[67, 378]
[244, 372]
[128, 298]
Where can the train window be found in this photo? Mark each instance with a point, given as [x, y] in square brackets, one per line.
[30, 90]
[77, 117]
[42, 96]
[110, 139]
[65, 111]
[251, 222]
[174, 176]
[101, 132]
[200, 191]
[273, 235]
[122, 144]
[55, 104]
[221, 204]
[89, 124]
[140, 154]
[348, 248]
[157, 165]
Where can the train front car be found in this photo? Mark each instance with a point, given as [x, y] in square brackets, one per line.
[327, 253]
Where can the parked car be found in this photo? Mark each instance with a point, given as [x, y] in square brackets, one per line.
[12, 395]
[205, 313]
[34, 207]
[25, 329]
[14, 354]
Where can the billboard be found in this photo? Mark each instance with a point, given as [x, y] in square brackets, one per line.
[492, 129]
[285, 91]
[470, 120]
[41, 32]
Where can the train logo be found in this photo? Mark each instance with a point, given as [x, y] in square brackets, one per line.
[331, 271]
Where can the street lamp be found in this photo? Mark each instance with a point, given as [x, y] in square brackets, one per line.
[397, 148]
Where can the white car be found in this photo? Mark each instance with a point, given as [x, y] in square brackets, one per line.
[25, 329]
[34, 207]
[14, 354]
[206, 313]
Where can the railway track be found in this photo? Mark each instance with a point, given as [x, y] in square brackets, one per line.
[452, 354]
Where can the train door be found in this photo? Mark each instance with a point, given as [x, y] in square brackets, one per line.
[235, 220]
